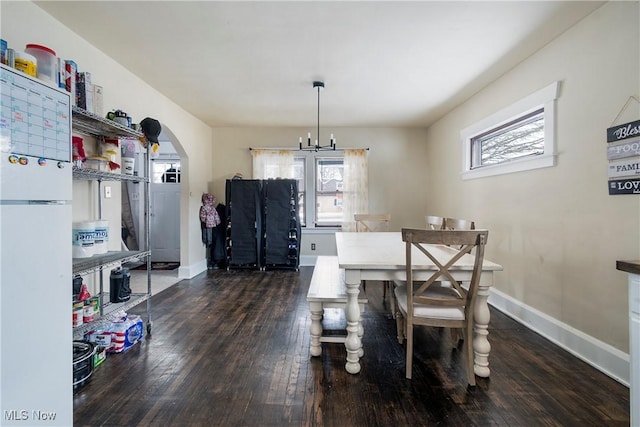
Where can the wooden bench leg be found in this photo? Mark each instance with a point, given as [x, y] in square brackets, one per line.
[315, 330]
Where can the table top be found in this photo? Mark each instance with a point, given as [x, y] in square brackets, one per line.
[386, 251]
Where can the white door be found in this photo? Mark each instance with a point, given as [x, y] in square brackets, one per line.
[164, 221]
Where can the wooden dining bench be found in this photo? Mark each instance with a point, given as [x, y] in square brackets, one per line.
[327, 290]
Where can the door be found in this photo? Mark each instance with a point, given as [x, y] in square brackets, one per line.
[164, 218]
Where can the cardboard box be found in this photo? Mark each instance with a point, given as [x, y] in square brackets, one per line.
[84, 91]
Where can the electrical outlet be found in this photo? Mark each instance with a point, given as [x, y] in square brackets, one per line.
[313, 246]
[107, 192]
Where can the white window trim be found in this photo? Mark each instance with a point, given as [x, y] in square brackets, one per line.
[546, 98]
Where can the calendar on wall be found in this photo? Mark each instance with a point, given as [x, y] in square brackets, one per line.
[35, 118]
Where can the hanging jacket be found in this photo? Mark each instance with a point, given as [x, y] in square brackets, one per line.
[208, 214]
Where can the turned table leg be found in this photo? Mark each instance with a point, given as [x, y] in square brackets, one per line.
[355, 330]
[481, 346]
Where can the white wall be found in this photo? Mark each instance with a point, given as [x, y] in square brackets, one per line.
[123, 90]
[556, 230]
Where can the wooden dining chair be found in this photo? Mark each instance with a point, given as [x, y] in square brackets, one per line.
[373, 222]
[453, 308]
[434, 222]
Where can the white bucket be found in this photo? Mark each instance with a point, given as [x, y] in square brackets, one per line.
[83, 239]
[101, 237]
[128, 163]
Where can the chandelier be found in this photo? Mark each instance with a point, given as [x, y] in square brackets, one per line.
[317, 147]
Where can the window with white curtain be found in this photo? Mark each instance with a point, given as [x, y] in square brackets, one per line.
[332, 185]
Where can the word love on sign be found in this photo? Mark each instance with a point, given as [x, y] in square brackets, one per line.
[625, 131]
[624, 186]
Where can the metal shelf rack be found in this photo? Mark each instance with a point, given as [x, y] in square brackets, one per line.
[92, 124]
[99, 127]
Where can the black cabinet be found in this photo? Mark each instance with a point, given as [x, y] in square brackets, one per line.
[281, 223]
[263, 226]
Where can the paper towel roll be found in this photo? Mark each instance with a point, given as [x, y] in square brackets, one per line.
[83, 239]
[128, 165]
[101, 237]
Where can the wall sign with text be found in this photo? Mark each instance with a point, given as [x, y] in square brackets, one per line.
[625, 131]
[623, 153]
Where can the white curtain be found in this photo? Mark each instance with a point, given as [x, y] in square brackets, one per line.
[270, 164]
[356, 187]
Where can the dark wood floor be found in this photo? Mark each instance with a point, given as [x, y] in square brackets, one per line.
[231, 348]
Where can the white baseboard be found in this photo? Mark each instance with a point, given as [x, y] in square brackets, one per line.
[189, 271]
[602, 356]
[307, 260]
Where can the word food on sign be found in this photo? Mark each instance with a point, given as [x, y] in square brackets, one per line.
[623, 149]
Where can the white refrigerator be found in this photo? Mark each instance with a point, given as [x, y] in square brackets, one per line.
[36, 349]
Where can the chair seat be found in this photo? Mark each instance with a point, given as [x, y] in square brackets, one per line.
[429, 311]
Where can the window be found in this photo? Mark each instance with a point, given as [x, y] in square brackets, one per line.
[328, 194]
[332, 185]
[319, 188]
[167, 171]
[299, 172]
[519, 137]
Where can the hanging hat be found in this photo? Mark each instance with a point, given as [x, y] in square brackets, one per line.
[151, 129]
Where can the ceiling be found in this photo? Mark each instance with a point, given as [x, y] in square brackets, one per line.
[384, 63]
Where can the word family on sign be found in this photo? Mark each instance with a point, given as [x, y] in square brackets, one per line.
[624, 170]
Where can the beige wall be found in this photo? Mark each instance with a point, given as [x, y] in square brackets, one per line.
[396, 166]
[556, 230]
[123, 90]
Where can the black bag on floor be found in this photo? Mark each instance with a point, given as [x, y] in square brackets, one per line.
[119, 288]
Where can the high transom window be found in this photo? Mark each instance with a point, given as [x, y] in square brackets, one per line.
[519, 138]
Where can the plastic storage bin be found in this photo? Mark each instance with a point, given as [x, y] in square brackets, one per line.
[47, 62]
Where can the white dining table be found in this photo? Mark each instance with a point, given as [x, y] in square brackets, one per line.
[382, 256]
